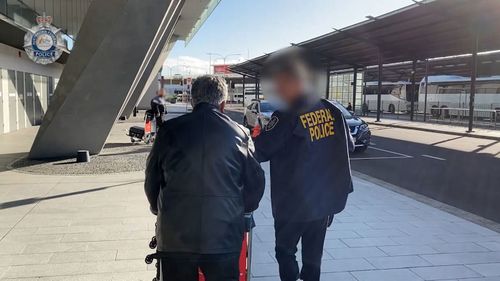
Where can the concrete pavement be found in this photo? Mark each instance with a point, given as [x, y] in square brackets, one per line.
[98, 228]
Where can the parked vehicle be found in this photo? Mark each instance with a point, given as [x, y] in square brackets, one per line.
[395, 98]
[359, 129]
[259, 112]
[449, 95]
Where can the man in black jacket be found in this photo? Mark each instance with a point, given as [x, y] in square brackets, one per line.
[159, 107]
[201, 178]
[307, 143]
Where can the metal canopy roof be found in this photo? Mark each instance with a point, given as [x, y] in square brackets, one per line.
[488, 65]
[427, 29]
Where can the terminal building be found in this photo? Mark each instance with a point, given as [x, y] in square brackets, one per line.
[26, 87]
[112, 53]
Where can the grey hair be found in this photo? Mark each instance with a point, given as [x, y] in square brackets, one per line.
[210, 89]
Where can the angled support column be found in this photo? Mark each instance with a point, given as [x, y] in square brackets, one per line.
[116, 53]
[148, 79]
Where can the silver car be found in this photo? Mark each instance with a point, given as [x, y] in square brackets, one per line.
[259, 112]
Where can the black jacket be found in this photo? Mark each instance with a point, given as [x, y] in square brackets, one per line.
[159, 108]
[308, 148]
[201, 178]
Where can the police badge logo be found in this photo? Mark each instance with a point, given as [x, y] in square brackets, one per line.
[272, 123]
[44, 43]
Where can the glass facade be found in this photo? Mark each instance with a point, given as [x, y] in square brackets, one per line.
[24, 99]
[341, 88]
[66, 14]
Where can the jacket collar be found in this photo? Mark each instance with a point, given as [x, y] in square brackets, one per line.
[204, 106]
[304, 103]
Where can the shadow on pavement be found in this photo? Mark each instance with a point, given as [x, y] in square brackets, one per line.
[27, 201]
[7, 159]
[117, 144]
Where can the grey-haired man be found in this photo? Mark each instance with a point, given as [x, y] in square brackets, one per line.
[201, 178]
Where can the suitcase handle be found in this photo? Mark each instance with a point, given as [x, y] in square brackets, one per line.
[249, 222]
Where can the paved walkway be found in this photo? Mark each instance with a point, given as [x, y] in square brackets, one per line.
[98, 227]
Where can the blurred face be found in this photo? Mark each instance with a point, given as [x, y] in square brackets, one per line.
[288, 87]
[161, 93]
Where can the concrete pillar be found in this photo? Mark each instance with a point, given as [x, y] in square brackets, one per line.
[473, 78]
[354, 88]
[413, 89]
[116, 49]
[380, 78]
[244, 76]
[327, 83]
[426, 88]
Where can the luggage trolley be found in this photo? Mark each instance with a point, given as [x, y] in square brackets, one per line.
[245, 263]
[146, 134]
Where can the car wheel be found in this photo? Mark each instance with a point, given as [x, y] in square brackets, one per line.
[361, 149]
[435, 112]
[445, 112]
[392, 108]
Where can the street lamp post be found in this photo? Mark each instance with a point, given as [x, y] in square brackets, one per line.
[210, 61]
[220, 56]
[170, 72]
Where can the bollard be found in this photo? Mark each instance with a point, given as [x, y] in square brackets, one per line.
[82, 156]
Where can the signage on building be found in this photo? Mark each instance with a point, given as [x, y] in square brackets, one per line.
[44, 43]
[221, 69]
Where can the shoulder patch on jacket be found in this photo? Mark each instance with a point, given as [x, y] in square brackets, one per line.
[272, 123]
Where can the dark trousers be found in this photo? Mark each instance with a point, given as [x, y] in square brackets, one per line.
[159, 122]
[288, 235]
[184, 267]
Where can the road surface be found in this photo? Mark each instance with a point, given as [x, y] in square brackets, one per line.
[461, 171]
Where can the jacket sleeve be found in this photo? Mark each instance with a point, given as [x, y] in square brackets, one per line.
[253, 180]
[272, 137]
[154, 174]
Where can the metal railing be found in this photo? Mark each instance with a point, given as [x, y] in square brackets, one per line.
[485, 115]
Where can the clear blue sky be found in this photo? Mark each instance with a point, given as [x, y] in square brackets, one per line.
[254, 27]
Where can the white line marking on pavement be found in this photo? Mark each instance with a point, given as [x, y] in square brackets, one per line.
[389, 151]
[433, 157]
[379, 158]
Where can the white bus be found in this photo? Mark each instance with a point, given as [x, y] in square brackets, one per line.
[249, 96]
[395, 96]
[236, 95]
[449, 95]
